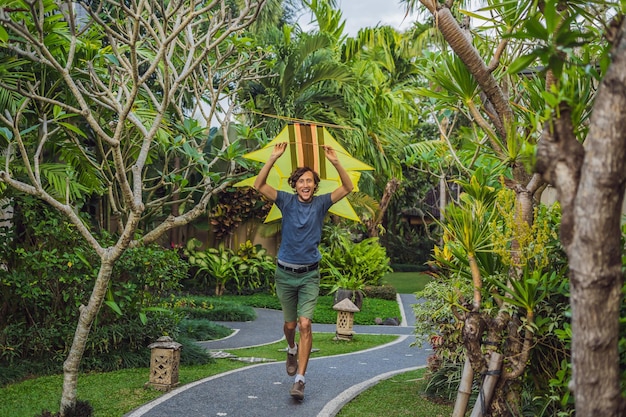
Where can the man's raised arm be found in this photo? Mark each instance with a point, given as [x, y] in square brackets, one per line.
[260, 184]
[346, 186]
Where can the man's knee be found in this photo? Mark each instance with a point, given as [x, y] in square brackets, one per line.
[305, 324]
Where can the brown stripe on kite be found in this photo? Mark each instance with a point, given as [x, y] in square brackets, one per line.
[320, 151]
[306, 146]
[293, 148]
[314, 149]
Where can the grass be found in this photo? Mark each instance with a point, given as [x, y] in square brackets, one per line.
[400, 395]
[113, 394]
[407, 282]
[372, 308]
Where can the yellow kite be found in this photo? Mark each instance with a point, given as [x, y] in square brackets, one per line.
[304, 148]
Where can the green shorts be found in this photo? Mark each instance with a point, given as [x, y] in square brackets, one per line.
[297, 293]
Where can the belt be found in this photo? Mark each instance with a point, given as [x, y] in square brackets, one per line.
[299, 270]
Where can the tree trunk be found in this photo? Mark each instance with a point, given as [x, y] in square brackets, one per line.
[465, 390]
[86, 318]
[591, 234]
[481, 406]
[464, 49]
[6, 222]
[390, 189]
[595, 253]
[472, 334]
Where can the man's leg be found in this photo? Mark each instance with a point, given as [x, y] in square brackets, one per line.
[287, 292]
[304, 351]
[305, 345]
[307, 299]
[289, 329]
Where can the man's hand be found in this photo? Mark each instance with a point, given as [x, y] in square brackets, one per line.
[330, 153]
[279, 149]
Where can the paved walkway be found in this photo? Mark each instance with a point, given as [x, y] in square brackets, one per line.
[262, 390]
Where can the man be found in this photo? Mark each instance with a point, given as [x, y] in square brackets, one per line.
[297, 273]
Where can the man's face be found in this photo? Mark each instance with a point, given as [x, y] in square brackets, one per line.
[305, 186]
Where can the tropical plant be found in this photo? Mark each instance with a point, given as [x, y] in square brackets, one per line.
[256, 270]
[306, 82]
[351, 265]
[473, 271]
[235, 206]
[216, 266]
[533, 75]
[115, 87]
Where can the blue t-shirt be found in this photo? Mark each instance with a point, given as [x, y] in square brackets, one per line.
[301, 227]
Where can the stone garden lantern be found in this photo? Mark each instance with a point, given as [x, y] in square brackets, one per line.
[164, 361]
[345, 319]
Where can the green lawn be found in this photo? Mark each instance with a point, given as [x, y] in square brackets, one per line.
[398, 396]
[407, 282]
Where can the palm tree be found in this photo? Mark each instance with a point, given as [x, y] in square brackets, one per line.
[305, 84]
[382, 106]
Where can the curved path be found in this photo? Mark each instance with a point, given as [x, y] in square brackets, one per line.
[262, 390]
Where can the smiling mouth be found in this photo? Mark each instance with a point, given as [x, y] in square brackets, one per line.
[308, 193]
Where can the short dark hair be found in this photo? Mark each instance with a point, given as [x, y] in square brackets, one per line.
[295, 176]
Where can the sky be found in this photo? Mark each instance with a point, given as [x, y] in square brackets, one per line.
[369, 13]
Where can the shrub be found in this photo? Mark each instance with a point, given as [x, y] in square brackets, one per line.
[146, 274]
[256, 270]
[245, 271]
[385, 292]
[202, 330]
[50, 273]
[350, 265]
